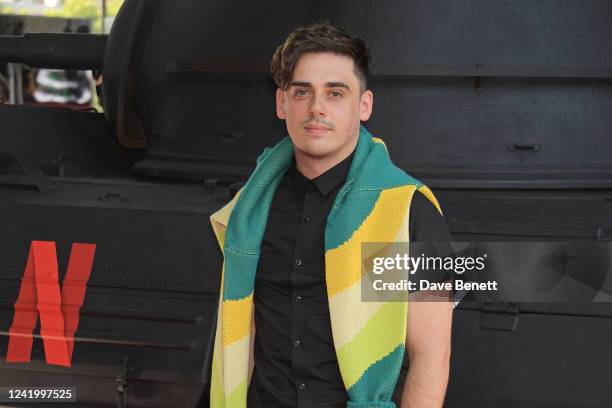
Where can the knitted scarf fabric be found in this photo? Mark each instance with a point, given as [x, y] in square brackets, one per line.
[369, 337]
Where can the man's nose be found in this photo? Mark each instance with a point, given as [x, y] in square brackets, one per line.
[317, 107]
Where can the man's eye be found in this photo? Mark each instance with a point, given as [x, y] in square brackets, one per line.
[301, 92]
[336, 94]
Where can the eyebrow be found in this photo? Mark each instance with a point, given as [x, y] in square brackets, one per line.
[327, 85]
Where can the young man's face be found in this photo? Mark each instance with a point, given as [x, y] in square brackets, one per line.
[323, 107]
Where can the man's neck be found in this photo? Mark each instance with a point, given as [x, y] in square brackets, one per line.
[313, 167]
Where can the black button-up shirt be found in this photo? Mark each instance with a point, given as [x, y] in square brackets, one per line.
[295, 359]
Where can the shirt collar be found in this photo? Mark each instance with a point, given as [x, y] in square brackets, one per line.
[327, 181]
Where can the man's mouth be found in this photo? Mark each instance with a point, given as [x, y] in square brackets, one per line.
[316, 129]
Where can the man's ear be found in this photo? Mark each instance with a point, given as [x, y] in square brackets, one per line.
[280, 102]
[365, 105]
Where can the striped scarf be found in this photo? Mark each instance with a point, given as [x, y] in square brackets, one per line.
[369, 337]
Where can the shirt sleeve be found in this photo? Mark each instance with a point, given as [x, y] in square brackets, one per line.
[430, 236]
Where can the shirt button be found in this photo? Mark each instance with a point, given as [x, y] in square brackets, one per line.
[302, 386]
[298, 298]
[307, 218]
[298, 262]
[297, 343]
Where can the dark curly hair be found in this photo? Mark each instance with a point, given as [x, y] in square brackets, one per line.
[319, 37]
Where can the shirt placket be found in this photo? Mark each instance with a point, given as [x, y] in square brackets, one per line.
[299, 310]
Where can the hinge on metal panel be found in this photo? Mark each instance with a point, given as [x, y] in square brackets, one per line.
[210, 185]
[499, 316]
[121, 384]
[604, 234]
[477, 87]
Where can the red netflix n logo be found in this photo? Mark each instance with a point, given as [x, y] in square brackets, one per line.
[40, 294]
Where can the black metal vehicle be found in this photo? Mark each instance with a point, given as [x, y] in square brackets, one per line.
[502, 108]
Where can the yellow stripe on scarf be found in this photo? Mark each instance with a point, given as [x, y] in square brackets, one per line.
[343, 264]
[236, 357]
[234, 316]
[220, 218]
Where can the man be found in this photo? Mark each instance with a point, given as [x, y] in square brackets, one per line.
[292, 330]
